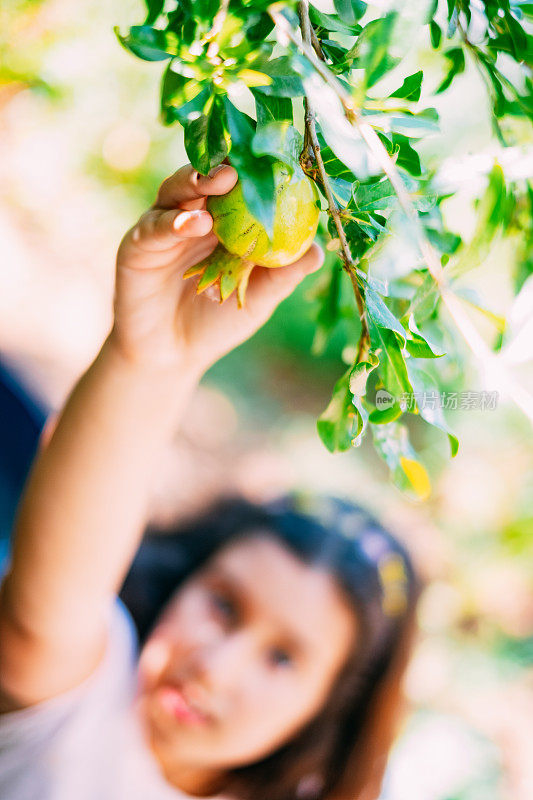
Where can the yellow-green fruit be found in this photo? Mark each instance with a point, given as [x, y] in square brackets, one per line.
[243, 241]
[295, 221]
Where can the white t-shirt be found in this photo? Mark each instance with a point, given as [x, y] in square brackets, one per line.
[87, 743]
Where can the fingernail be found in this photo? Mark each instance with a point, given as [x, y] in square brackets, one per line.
[184, 216]
[215, 170]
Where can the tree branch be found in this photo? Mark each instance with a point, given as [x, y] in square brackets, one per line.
[311, 140]
[491, 363]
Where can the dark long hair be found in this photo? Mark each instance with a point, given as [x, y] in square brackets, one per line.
[341, 753]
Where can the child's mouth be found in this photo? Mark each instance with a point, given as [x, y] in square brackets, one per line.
[174, 701]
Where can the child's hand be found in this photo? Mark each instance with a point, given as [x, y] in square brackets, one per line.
[159, 318]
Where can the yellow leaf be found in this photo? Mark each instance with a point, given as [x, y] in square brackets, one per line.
[253, 78]
[417, 476]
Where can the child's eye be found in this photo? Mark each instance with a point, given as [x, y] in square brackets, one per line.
[278, 657]
[224, 606]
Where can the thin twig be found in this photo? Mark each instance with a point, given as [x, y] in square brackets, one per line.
[491, 362]
[316, 44]
[312, 139]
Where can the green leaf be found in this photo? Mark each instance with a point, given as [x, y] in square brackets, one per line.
[435, 34]
[442, 240]
[176, 90]
[332, 164]
[427, 397]
[407, 123]
[257, 26]
[270, 109]
[204, 139]
[342, 189]
[373, 196]
[424, 300]
[357, 383]
[154, 9]
[456, 57]
[338, 424]
[341, 58]
[332, 22]
[206, 9]
[408, 158]
[361, 230]
[418, 346]
[342, 424]
[255, 173]
[400, 149]
[490, 217]
[193, 108]
[282, 141]
[350, 10]
[327, 295]
[148, 43]
[373, 47]
[285, 81]
[380, 314]
[382, 416]
[392, 368]
[392, 444]
[410, 88]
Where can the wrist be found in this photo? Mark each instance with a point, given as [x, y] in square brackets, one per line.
[167, 367]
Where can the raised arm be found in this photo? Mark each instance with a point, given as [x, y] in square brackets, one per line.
[83, 509]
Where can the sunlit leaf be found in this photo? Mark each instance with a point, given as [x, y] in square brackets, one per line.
[435, 34]
[392, 368]
[282, 141]
[411, 87]
[350, 10]
[204, 138]
[417, 476]
[331, 22]
[286, 82]
[270, 109]
[338, 424]
[373, 48]
[456, 57]
[327, 295]
[255, 173]
[148, 43]
[343, 422]
[381, 416]
[154, 9]
[357, 382]
[417, 345]
[381, 314]
[428, 402]
[490, 211]
[408, 473]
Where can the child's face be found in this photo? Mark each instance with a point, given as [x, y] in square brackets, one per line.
[254, 640]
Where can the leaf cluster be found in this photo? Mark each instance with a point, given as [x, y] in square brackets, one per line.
[224, 55]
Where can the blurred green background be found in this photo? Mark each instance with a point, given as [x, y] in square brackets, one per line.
[81, 156]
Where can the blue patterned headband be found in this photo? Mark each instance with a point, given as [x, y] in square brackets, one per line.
[367, 542]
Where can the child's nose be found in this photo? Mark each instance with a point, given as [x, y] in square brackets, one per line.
[222, 663]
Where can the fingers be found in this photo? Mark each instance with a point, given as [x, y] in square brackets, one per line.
[157, 230]
[187, 185]
[268, 286]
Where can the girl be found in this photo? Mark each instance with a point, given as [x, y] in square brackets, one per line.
[273, 638]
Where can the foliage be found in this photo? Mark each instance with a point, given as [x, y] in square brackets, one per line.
[240, 75]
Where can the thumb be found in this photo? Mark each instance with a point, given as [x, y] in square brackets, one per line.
[269, 286]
